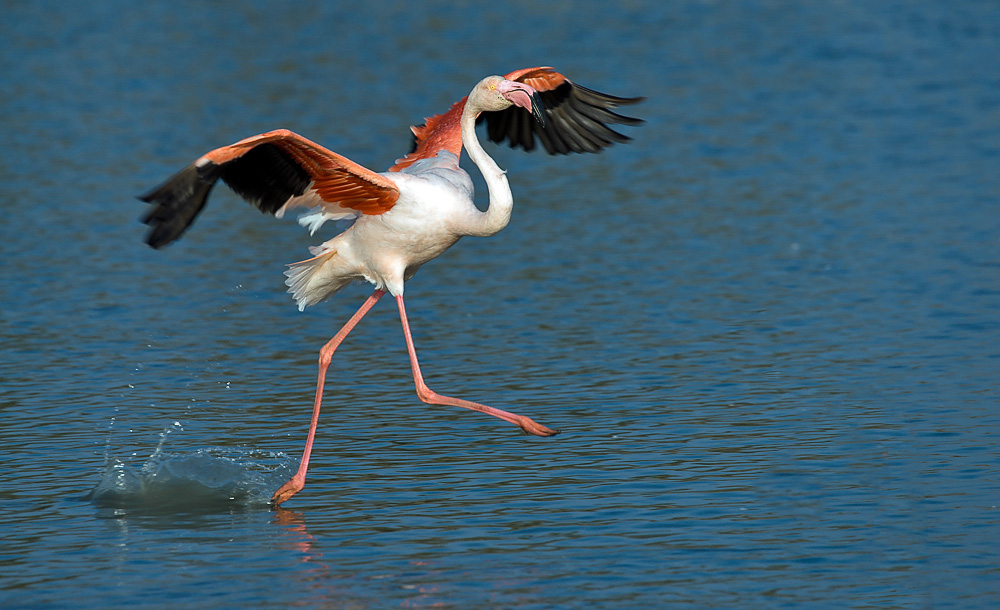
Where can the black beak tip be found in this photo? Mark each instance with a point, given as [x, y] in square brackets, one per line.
[538, 109]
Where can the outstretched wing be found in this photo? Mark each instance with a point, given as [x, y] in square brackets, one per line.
[576, 120]
[274, 171]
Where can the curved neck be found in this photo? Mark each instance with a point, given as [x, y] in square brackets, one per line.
[497, 215]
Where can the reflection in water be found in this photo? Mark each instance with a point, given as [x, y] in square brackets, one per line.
[317, 577]
[323, 585]
[204, 480]
[294, 525]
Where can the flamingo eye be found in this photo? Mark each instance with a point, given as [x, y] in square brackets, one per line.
[493, 86]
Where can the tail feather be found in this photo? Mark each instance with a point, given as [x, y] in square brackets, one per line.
[309, 283]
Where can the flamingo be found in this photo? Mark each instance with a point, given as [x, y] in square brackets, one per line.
[403, 217]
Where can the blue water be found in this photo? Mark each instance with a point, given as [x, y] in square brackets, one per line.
[767, 327]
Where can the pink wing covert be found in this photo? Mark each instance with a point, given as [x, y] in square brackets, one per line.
[576, 120]
[274, 171]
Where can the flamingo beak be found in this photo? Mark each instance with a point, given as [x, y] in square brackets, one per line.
[524, 96]
[537, 109]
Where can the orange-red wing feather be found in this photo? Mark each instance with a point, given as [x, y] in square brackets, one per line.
[541, 79]
[340, 183]
[273, 171]
[439, 132]
[442, 131]
[576, 120]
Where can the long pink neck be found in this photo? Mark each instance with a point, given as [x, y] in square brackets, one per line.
[497, 215]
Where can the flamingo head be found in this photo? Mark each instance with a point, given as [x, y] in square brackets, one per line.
[497, 93]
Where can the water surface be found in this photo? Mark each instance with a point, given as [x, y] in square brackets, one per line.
[766, 327]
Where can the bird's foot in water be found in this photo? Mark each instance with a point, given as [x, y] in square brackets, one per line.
[532, 427]
[289, 489]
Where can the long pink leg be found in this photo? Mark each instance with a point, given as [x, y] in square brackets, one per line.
[298, 481]
[433, 398]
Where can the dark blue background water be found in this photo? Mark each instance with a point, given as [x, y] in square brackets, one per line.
[767, 327]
